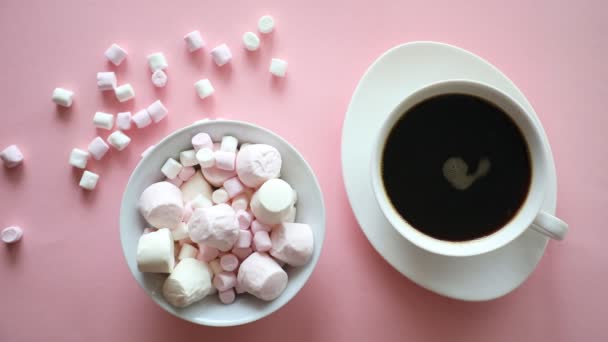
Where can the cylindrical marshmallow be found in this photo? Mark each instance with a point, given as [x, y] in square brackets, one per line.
[202, 140]
[188, 158]
[157, 61]
[207, 253]
[225, 160]
[119, 140]
[251, 41]
[115, 54]
[262, 277]
[215, 267]
[155, 252]
[12, 156]
[245, 218]
[292, 243]
[63, 97]
[244, 240]
[257, 226]
[229, 143]
[157, 111]
[142, 118]
[216, 227]
[187, 251]
[180, 232]
[262, 242]
[219, 196]
[124, 92]
[88, 180]
[242, 253]
[123, 121]
[196, 185]
[186, 173]
[194, 41]
[258, 163]
[227, 297]
[229, 262]
[221, 54]
[278, 67]
[224, 281]
[234, 187]
[204, 88]
[240, 202]
[171, 168]
[79, 158]
[159, 78]
[266, 24]
[200, 201]
[205, 158]
[272, 202]
[98, 148]
[106, 81]
[216, 176]
[161, 205]
[13, 234]
[189, 282]
[103, 120]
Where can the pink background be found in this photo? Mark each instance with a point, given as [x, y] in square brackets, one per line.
[67, 280]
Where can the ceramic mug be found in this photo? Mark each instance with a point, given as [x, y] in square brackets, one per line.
[530, 215]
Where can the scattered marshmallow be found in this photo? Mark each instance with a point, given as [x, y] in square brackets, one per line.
[11, 156]
[234, 187]
[119, 140]
[98, 148]
[180, 232]
[79, 158]
[124, 92]
[262, 242]
[123, 121]
[207, 253]
[227, 297]
[194, 41]
[147, 150]
[157, 61]
[240, 202]
[244, 240]
[251, 41]
[220, 196]
[245, 218]
[292, 243]
[189, 282]
[200, 201]
[202, 140]
[159, 78]
[221, 54]
[204, 88]
[229, 262]
[196, 185]
[106, 80]
[186, 173]
[63, 97]
[103, 120]
[88, 180]
[11, 234]
[171, 168]
[258, 163]
[216, 227]
[116, 54]
[161, 205]
[242, 253]
[278, 67]
[187, 251]
[205, 158]
[142, 118]
[262, 277]
[229, 144]
[266, 24]
[157, 111]
[271, 203]
[257, 226]
[225, 160]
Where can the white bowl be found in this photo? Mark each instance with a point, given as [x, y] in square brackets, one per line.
[295, 170]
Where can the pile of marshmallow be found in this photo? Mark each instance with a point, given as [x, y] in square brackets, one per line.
[222, 221]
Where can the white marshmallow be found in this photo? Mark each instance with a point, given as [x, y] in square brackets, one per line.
[11, 234]
[216, 227]
[200, 201]
[205, 157]
[63, 97]
[157, 111]
[11, 156]
[161, 205]
[189, 282]
[171, 168]
[123, 120]
[221, 54]
[291, 215]
[216, 176]
[180, 232]
[225, 160]
[155, 252]
[119, 140]
[202, 140]
[157, 61]
[103, 120]
[142, 118]
[187, 251]
[79, 158]
[88, 180]
[215, 266]
[220, 196]
[98, 148]
[258, 163]
[194, 41]
[229, 143]
[262, 277]
[278, 67]
[188, 158]
[266, 24]
[272, 202]
[159, 78]
[240, 202]
[147, 150]
[116, 54]
[106, 80]
[196, 185]
[251, 41]
[204, 88]
[124, 92]
[292, 243]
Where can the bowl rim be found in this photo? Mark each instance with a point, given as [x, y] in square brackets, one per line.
[318, 244]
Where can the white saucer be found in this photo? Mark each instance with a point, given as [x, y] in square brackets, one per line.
[392, 77]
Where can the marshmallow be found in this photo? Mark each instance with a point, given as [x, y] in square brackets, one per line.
[238, 288]
[272, 202]
[142, 118]
[157, 111]
[251, 41]
[242, 253]
[106, 81]
[207, 253]
[205, 158]
[161, 205]
[240, 202]
[291, 215]
[116, 54]
[175, 181]
[187, 212]
[292, 243]
[216, 176]
[159, 78]
[257, 226]
[98, 148]
[229, 143]
[186, 173]
[103, 120]
[227, 297]
[278, 67]
[266, 24]
[215, 267]
[171, 168]
[11, 156]
[244, 218]
[189, 282]
[244, 240]
[188, 158]
[155, 252]
[180, 232]
[224, 280]
[79, 158]
[221, 54]
[204, 88]
[147, 150]
[11, 234]
[200, 201]
[187, 251]
[229, 262]
[124, 92]
[262, 242]
[119, 140]
[194, 41]
[225, 160]
[157, 61]
[262, 277]
[202, 140]
[63, 97]
[233, 187]
[194, 186]
[258, 163]
[219, 196]
[216, 227]
[123, 120]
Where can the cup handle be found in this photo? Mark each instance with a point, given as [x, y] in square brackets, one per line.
[550, 226]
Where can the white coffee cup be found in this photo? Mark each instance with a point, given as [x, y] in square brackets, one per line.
[530, 215]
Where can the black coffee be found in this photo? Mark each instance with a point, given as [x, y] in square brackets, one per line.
[456, 167]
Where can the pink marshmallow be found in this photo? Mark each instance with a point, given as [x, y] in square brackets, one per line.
[142, 118]
[214, 226]
[257, 163]
[161, 205]
[187, 212]
[229, 262]
[240, 202]
[202, 140]
[244, 218]
[244, 240]
[239, 288]
[225, 160]
[262, 277]
[292, 243]
[216, 176]
[123, 120]
[261, 241]
[257, 226]
[221, 54]
[116, 54]
[12, 156]
[227, 297]
[98, 148]
[242, 253]
[157, 111]
[207, 253]
[234, 187]
[224, 281]
[186, 173]
[175, 181]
